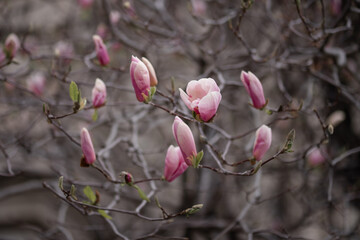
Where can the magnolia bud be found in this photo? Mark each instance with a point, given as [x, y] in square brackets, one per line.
[101, 50]
[115, 17]
[98, 94]
[185, 140]
[262, 142]
[12, 45]
[198, 7]
[175, 164]
[127, 177]
[315, 157]
[254, 88]
[87, 147]
[153, 78]
[140, 79]
[36, 83]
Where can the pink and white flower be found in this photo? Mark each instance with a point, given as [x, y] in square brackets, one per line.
[202, 97]
[262, 142]
[254, 88]
[87, 147]
[12, 45]
[175, 164]
[101, 50]
[140, 79]
[36, 83]
[99, 94]
[185, 140]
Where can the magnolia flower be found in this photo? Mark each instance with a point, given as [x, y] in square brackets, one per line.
[140, 79]
[175, 164]
[202, 97]
[36, 83]
[262, 142]
[115, 16]
[185, 140]
[198, 7]
[12, 45]
[315, 157]
[87, 147]
[98, 93]
[254, 88]
[64, 49]
[149, 66]
[101, 51]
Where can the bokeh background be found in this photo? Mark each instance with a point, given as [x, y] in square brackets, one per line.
[306, 54]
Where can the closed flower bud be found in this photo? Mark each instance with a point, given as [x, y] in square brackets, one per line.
[129, 179]
[98, 94]
[101, 50]
[153, 78]
[254, 88]
[175, 164]
[315, 157]
[185, 140]
[36, 83]
[202, 97]
[87, 147]
[140, 78]
[262, 142]
[64, 50]
[115, 16]
[198, 7]
[12, 45]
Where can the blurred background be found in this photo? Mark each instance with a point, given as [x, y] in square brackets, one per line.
[306, 55]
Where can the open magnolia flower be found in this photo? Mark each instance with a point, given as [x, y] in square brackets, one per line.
[202, 97]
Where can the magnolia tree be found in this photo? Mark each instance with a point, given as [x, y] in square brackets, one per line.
[198, 119]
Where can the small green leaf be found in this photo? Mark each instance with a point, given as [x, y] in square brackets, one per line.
[152, 91]
[95, 115]
[82, 103]
[193, 209]
[73, 91]
[104, 214]
[198, 159]
[289, 141]
[61, 183]
[90, 194]
[257, 167]
[141, 193]
[72, 192]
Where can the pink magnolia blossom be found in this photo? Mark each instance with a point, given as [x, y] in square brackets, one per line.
[199, 7]
[262, 142]
[87, 147]
[115, 16]
[12, 45]
[36, 83]
[149, 66]
[315, 157]
[175, 164]
[202, 97]
[185, 140]
[101, 50]
[64, 49]
[98, 94]
[254, 88]
[140, 78]
[85, 3]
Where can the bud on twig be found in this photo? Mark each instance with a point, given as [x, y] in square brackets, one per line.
[254, 88]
